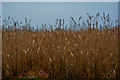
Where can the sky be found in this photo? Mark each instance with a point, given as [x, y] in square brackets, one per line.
[48, 12]
[0, 13]
[60, 0]
[119, 12]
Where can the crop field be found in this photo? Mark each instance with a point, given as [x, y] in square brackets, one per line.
[79, 50]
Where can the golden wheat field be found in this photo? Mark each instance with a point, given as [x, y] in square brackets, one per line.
[61, 53]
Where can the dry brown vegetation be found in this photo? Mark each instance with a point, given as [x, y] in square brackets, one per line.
[91, 53]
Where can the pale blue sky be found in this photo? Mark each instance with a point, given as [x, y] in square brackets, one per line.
[60, 0]
[47, 12]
